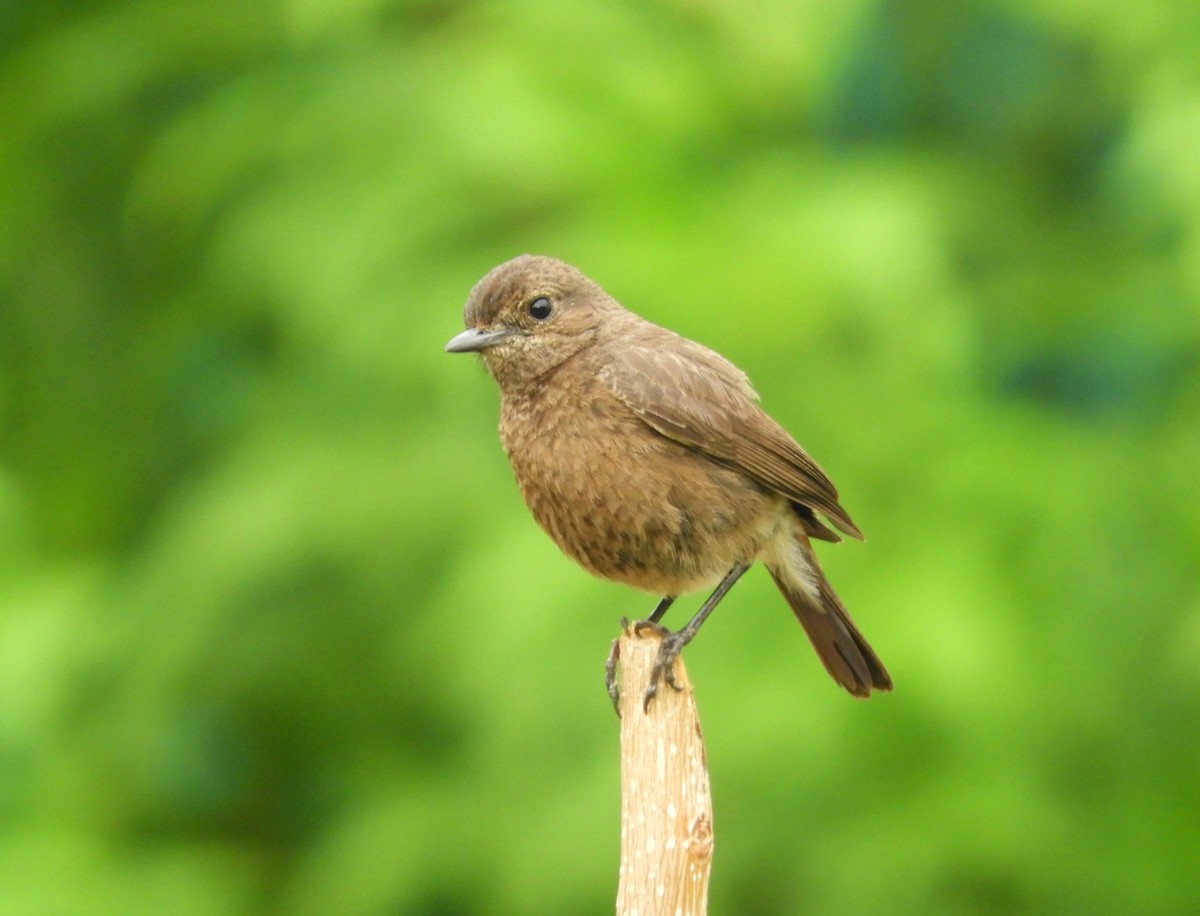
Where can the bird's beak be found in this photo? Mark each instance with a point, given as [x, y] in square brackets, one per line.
[472, 340]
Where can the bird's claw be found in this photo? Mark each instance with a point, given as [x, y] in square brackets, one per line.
[663, 669]
[664, 664]
[610, 670]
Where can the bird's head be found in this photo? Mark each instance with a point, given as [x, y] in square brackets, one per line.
[528, 316]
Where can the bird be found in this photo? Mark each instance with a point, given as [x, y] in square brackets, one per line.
[647, 458]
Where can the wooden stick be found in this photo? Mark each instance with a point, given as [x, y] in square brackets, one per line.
[666, 807]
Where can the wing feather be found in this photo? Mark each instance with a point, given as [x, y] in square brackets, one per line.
[698, 398]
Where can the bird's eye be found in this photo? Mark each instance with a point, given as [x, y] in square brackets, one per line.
[540, 308]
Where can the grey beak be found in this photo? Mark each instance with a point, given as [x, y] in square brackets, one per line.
[473, 340]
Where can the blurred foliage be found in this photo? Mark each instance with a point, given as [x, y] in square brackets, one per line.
[276, 632]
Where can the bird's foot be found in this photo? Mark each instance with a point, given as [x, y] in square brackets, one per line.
[610, 670]
[664, 665]
[663, 669]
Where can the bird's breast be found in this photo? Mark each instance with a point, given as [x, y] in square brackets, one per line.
[625, 502]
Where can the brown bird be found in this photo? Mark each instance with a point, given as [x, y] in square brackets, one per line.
[648, 460]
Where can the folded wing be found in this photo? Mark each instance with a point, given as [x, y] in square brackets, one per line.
[698, 398]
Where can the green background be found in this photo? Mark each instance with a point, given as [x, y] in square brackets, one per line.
[277, 634]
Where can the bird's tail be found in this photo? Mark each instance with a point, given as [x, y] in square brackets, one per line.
[845, 653]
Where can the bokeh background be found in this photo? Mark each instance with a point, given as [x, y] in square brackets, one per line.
[277, 634]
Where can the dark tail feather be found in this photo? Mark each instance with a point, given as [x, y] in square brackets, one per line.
[846, 655]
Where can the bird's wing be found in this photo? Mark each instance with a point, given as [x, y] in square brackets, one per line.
[698, 398]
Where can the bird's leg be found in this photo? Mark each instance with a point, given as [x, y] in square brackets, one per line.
[666, 602]
[672, 643]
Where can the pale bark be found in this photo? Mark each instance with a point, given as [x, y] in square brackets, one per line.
[666, 807]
